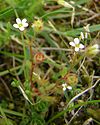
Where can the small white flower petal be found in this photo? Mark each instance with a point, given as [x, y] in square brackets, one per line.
[69, 87]
[64, 88]
[64, 85]
[81, 46]
[96, 46]
[76, 49]
[76, 41]
[72, 43]
[24, 20]
[82, 35]
[15, 25]
[25, 24]
[18, 21]
[21, 28]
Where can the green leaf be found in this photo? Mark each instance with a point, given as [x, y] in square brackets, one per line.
[74, 32]
[5, 12]
[15, 83]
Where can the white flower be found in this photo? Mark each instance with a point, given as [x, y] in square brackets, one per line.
[76, 43]
[65, 86]
[21, 24]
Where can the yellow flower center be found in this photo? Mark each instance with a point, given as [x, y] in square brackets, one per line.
[20, 25]
[77, 45]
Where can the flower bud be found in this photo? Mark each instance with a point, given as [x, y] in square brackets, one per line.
[38, 25]
[82, 36]
[61, 2]
[39, 57]
[71, 79]
[93, 50]
[86, 28]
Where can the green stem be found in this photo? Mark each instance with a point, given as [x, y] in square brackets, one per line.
[4, 117]
[25, 56]
[75, 62]
[9, 70]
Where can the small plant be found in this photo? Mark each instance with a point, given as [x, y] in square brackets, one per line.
[50, 64]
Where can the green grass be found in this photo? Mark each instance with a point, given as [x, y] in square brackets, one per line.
[34, 63]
